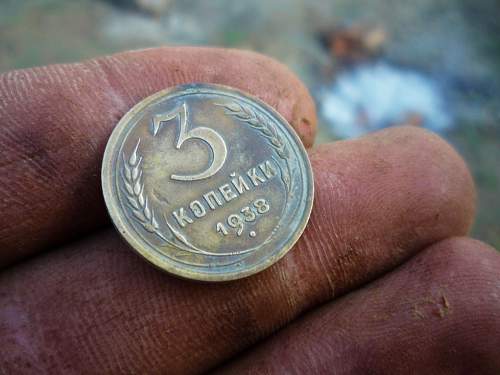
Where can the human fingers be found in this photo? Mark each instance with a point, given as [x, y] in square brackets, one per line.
[56, 121]
[96, 307]
[437, 314]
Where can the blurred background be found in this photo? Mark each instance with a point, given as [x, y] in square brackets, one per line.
[369, 64]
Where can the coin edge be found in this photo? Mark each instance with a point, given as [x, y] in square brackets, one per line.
[108, 175]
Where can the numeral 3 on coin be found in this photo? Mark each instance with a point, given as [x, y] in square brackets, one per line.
[214, 140]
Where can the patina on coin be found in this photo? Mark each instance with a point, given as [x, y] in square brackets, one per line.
[207, 182]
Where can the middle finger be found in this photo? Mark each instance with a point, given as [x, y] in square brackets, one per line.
[95, 307]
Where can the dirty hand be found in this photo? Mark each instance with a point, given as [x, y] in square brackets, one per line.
[380, 282]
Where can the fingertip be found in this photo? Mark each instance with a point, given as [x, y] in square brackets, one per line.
[407, 160]
[273, 82]
[450, 180]
[382, 198]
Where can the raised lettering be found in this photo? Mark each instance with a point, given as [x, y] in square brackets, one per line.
[227, 193]
[248, 214]
[182, 217]
[254, 177]
[220, 228]
[240, 184]
[268, 169]
[211, 194]
[197, 208]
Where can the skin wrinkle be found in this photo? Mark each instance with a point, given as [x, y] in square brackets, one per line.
[39, 154]
[322, 249]
[23, 189]
[110, 68]
[308, 245]
[293, 304]
[323, 245]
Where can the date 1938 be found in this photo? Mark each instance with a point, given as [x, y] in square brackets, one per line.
[247, 214]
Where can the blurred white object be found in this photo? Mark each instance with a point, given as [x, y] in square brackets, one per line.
[378, 95]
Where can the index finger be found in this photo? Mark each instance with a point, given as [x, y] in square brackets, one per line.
[56, 121]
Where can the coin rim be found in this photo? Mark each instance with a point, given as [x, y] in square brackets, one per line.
[108, 174]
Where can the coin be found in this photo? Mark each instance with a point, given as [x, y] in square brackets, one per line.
[207, 182]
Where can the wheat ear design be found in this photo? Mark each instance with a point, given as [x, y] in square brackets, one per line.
[134, 189]
[258, 122]
[266, 128]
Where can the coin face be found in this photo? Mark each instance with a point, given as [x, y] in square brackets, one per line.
[207, 182]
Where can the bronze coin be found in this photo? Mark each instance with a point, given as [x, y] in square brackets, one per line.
[207, 182]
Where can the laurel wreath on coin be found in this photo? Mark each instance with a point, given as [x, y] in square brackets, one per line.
[267, 129]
